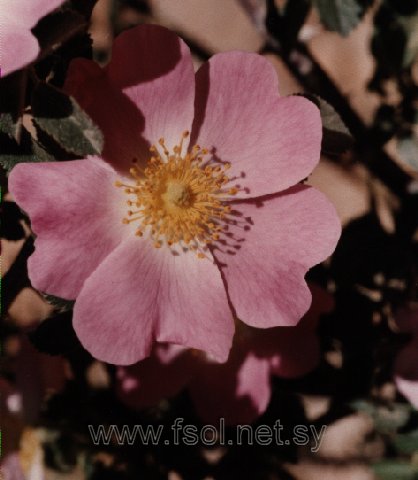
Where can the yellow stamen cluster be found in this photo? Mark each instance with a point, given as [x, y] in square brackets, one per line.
[180, 197]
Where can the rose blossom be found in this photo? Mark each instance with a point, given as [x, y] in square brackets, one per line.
[18, 46]
[238, 390]
[192, 215]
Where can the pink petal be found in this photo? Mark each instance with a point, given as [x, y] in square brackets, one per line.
[269, 250]
[18, 45]
[76, 213]
[22, 48]
[271, 142]
[140, 294]
[165, 373]
[145, 93]
[238, 391]
[154, 68]
[28, 12]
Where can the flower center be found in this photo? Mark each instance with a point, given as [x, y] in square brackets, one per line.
[177, 194]
[179, 198]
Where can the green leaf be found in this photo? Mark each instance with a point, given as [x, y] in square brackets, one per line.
[27, 150]
[395, 470]
[340, 16]
[363, 406]
[387, 419]
[391, 419]
[407, 443]
[62, 118]
[408, 150]
[7, 124]
[336, 138]
[8, 161]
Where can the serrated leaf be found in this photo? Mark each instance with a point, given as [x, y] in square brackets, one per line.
[395, 470]
[408, 150]
[340, 16]
[27, 151]
[62, 118]
[11, 153]
[7, 124]
[336, 138]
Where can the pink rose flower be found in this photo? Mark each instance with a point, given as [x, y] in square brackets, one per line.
[239, 390]
[192, 215]
[18, 46]
[406, 365]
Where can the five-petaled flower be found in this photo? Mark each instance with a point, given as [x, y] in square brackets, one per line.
[193, 215]
[18, 46]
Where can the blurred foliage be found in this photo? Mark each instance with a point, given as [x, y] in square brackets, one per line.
[395, 48]
[341, 16]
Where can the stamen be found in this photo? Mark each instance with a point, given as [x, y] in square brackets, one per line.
[180, 197]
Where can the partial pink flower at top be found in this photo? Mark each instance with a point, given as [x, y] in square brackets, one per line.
[406, 365]
[18, 46]
[238, 390]
[193, 214]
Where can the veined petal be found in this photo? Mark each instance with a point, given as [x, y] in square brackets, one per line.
[271, 142]
[154, 68]
[140, 294]
[268, 250]
[19, 47]
[76, 213]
